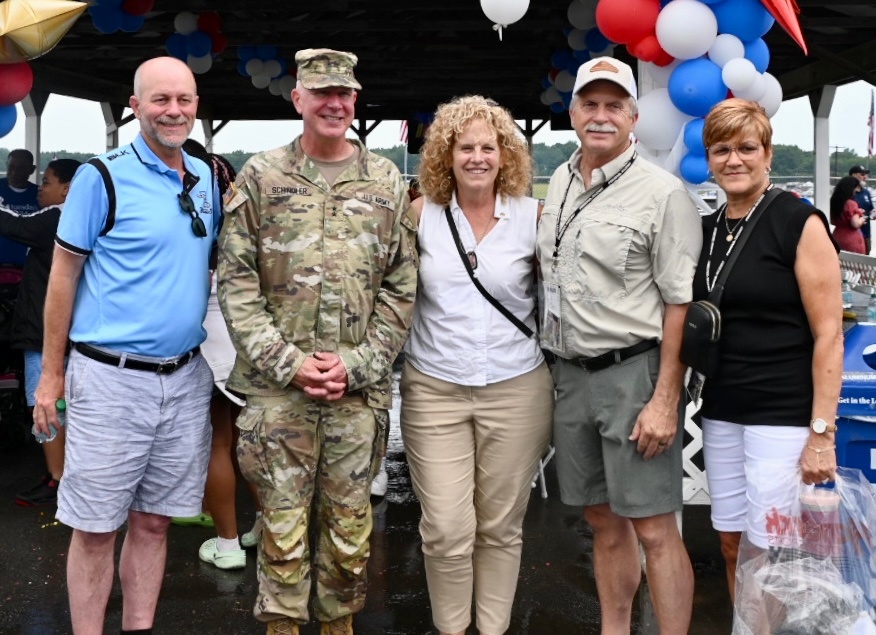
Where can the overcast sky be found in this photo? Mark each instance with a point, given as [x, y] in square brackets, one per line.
[76, 125]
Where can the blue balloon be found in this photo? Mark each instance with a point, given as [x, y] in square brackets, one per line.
[557, 107]
[110, 3]
[546, 82]
[694, 169]
[561, 59]
[198, 43]
[266, 52]
[693, 137]
[8, 115]
[132, 23]
[582, 55]
[695, 86]
[241, 67]
[176, 46]
[746, 19]
[806, 200]
[758, 53]
[284, 69]
[566, 98]
[246, 53]
[596, 41]
[106, 19]
[573, 66]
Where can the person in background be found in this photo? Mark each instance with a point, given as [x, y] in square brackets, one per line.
[845, 215]
[18, 195]
[317, 279]
[864, 201]
[130, 291]
[414, 189]
[618, 244]
[477, 396]
[768, 414]
[37, 231]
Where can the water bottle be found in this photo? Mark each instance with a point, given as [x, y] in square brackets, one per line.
[61, 409]
[871, 307]
[847, 291]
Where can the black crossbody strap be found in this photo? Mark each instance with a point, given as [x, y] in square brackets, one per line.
[718, 289]
[489, 298]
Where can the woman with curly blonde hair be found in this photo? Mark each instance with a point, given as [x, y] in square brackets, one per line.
[477, 397]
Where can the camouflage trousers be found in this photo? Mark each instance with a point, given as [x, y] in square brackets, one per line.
[291, 449]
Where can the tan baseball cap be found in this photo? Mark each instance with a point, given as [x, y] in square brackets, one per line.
[609, 69]
[325, 68]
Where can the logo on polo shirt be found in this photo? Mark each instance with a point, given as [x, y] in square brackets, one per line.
[116, 155]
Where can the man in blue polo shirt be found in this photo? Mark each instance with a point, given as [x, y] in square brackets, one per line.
[19, 195]
[129, 286]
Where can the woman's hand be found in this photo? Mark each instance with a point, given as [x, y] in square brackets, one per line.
[818, 460]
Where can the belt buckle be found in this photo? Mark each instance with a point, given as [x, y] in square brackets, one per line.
[166, 368]
[617, 356]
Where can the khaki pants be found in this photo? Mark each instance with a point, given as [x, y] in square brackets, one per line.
[292, 449]
[473, 452]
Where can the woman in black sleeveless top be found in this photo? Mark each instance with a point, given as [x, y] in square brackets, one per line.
[769, 411]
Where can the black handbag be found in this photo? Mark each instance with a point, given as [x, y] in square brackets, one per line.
[701, 336]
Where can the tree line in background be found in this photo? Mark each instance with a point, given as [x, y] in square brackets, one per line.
[787, 160]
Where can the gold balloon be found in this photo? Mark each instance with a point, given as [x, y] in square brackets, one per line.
[30, 28]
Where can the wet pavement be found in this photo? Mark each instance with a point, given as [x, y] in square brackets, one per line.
[556, 593]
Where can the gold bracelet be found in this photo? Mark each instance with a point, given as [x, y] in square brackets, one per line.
[820, 450]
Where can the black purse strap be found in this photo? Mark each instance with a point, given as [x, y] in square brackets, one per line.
[718, 289]
[477, 283]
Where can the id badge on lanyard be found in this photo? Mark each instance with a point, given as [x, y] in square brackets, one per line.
[551, 319]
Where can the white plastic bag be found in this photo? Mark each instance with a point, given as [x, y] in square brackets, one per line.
[815, 570]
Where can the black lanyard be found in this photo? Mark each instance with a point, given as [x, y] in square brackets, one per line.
[561, 231]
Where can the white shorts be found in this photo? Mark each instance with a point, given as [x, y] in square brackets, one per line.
[751, 470]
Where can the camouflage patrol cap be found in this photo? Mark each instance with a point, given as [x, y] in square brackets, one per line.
[324, 68]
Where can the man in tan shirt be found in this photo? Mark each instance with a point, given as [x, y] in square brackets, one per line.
[618, 244]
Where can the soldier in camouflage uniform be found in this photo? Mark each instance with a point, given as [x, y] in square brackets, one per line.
[317, 278]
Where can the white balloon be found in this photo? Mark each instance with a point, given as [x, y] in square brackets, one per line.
[255, 67]
[660, 122]
[545, 98]
[287, 83]
[274, 87]
[287, 96]
[686, 28]
[504, 12]
[200, 65]
[272, 68]
[582, 15]
[739, 74]
[660, 74]
[576, 40]
[564, 81]
[772, 97]
[185, 22]
[726, 48]
[553, 94]
[754, 92]
[261, 81]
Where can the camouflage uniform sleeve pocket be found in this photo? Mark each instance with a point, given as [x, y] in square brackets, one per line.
[250, 417]
[409, 225]
[381, 440]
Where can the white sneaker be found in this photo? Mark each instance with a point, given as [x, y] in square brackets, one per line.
[209, 553]
[252, 537]
[380, 482]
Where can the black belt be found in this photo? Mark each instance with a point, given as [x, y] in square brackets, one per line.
[162, 368]
[614, 357]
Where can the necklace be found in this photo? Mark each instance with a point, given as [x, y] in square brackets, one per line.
[484, 232]
[736, 224]
[710, 281]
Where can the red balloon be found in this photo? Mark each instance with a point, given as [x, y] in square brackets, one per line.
[647, 49]
[664, 59]
[627, 21]
[16, 80]
[553, 73]
[219, 43]
[137, 7]
[209, 22]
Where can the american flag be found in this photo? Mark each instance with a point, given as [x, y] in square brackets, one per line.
[403, 131]
[871, 123]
